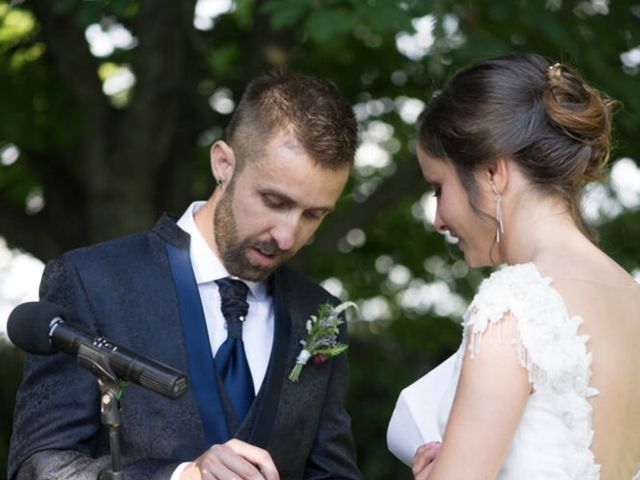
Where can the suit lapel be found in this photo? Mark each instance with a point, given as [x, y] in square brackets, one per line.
[203, 378]
[258, 424]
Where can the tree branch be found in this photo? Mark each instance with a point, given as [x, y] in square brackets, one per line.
[69, 57]
[165, 68]
[68, 52]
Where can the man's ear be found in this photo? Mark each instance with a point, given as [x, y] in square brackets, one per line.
[223, 162]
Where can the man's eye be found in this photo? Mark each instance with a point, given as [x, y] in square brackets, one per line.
[437, 190]
[272, 202]
[314, 215]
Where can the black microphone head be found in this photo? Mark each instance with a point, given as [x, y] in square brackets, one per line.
[28, 326]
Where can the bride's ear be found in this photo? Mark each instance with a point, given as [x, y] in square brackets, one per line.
[496, 174]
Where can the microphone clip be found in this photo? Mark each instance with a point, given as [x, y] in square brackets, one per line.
[96, 361]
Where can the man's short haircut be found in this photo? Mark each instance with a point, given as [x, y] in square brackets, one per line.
[310, 108]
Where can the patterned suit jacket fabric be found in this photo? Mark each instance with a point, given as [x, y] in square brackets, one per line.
[123, 289]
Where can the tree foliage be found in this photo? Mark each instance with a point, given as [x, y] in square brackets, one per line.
[80, 165]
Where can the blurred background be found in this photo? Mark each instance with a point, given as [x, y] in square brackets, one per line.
[108, 108]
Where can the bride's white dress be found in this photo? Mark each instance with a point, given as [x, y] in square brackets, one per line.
[553, 439]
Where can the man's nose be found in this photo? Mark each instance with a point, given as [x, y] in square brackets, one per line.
[285, 232]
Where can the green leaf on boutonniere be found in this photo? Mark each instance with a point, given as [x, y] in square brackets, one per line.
[322, 337]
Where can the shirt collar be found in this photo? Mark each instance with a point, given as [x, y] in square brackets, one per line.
[207, 267]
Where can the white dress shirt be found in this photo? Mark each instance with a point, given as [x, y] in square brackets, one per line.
[258, 327]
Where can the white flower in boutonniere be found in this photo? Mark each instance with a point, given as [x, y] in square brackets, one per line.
[322, 339]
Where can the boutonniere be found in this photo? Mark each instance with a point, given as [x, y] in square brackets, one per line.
[322, 337]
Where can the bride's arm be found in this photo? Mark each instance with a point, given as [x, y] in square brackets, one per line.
[491, 396]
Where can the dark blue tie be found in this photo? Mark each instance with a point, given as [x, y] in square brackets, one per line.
[231, 360]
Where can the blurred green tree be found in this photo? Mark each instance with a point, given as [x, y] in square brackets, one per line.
[109, 107]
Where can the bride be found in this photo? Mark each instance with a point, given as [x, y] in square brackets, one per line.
[546, 382]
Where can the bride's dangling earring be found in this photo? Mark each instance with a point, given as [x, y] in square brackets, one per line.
[500, 226]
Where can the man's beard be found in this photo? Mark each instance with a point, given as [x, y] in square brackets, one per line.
[233, 250]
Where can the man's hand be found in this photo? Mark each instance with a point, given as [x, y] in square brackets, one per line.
[423, 460]
[234, 460]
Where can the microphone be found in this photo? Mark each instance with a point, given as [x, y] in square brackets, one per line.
[40, 328]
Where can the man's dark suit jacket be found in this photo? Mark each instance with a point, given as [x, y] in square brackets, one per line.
[124, 290]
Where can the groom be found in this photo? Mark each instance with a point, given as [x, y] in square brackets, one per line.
[200, 292]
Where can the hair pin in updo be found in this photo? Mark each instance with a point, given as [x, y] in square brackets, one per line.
[554, 72]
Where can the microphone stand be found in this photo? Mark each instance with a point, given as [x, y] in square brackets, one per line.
[111, 390]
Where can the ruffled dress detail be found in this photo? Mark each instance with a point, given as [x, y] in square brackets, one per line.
[553, 438]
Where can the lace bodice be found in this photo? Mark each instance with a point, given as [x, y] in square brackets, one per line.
[554, 436]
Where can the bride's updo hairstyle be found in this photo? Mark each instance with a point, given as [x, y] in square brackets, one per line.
[519, 106]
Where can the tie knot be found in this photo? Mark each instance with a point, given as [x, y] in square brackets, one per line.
[233, 303]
